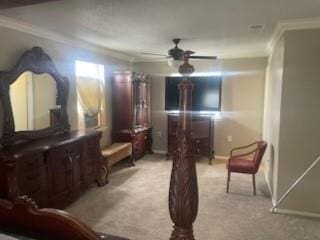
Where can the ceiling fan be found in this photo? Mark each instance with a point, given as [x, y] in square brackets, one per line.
[177, 54]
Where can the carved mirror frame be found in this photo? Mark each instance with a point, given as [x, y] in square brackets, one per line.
[38, 62]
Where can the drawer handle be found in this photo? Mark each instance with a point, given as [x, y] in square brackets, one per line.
[145, 137]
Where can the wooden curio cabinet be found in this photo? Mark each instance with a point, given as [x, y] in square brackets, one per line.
[131, 111]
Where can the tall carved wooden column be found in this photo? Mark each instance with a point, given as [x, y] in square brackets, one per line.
[183, 193]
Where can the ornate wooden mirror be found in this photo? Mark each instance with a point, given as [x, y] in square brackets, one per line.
[34, 99]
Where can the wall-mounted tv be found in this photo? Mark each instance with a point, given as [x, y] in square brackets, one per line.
[206, 94]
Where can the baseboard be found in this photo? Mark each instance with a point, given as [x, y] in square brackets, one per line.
[269, 187]
[221, 157]
[287, 211]
[296, 213]
[165, 152]
[159, 151]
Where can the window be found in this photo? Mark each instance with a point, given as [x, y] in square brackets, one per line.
[90, 79]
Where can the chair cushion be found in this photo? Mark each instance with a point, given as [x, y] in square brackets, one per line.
[241, 165]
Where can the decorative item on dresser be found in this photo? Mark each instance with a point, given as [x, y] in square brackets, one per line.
[40, 157]
[131, 111]
[202, 135]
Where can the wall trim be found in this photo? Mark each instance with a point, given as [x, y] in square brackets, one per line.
[24, 27]
[165, 152]
[269, 188]
[294, 24]
[221, 157]
[296, 213]
[159, 151]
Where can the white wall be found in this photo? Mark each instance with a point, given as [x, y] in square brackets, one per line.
[293, 86]
[273, 94]
[300, 118]
[242, 100]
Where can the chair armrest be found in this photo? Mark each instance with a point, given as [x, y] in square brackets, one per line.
[243, 147]
[242, 155]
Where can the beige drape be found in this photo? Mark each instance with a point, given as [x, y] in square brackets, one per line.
[90, 93]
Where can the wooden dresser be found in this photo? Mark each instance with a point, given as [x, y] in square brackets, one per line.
[39, 156]
[202, 135]
[131, 111]
[53, 171]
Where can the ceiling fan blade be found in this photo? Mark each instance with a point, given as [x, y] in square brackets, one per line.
[203, 57]
[154, 54]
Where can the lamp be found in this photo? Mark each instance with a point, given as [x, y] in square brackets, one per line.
[186, 69]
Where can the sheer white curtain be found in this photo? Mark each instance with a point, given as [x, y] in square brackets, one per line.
[90, 79]
[90, 94]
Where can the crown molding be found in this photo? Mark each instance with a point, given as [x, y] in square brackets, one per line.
[294, 24]
[24, 27]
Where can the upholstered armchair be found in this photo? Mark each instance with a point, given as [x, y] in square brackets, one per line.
[247, 162]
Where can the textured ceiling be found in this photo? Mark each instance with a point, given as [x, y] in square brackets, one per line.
[209, 27]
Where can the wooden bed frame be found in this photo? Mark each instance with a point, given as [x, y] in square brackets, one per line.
[23, 217]
[183, 192]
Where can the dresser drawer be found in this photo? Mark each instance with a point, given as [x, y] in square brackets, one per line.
[92, 142]
[70, 149]
[32, 182]
[140, 144]
[29, 162]
[140, 138]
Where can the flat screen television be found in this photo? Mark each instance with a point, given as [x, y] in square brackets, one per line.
[206, 94]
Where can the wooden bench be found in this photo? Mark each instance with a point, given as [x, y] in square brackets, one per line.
[115, 153]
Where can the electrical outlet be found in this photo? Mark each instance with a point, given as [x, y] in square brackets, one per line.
[229, 138]
[159, 134]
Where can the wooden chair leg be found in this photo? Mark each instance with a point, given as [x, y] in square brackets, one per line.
[254, 184]
[228, 181]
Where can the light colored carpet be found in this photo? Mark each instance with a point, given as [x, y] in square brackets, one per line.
[134, 205]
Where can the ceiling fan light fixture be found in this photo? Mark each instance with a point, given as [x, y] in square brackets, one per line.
[174, 63]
